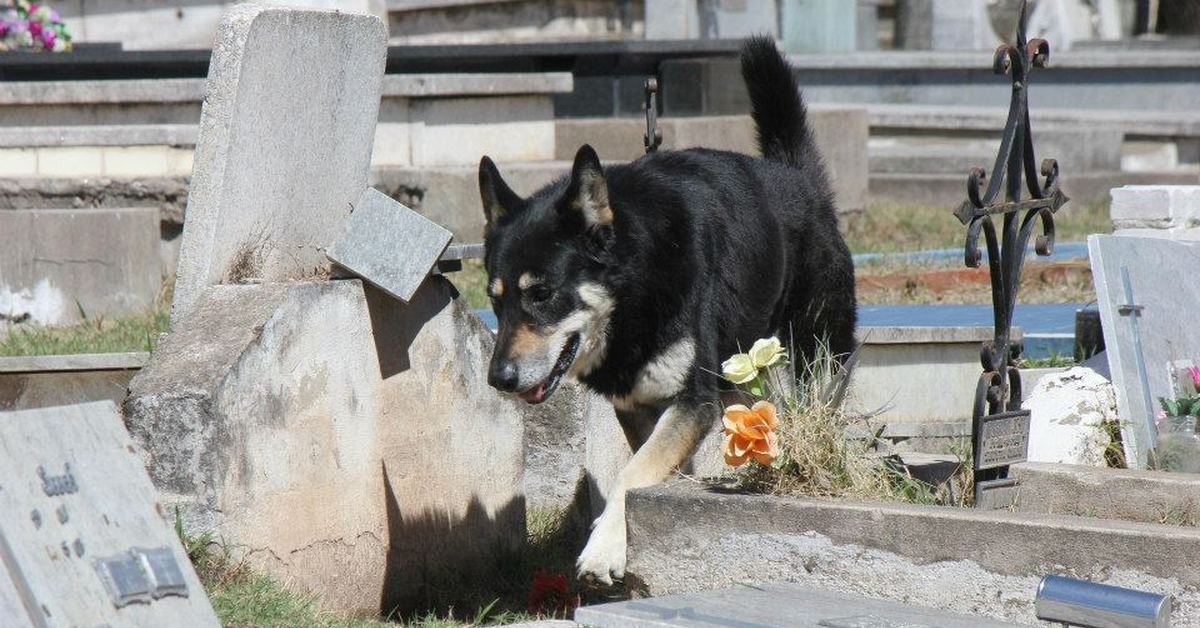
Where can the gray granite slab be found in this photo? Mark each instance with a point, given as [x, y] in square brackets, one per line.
[1162, 276]
[389, 245]
[84, 539]
[767, 605]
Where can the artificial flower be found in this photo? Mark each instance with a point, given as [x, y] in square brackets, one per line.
[750, 434]
[766, 352]
[1194, 373]
[739, 368]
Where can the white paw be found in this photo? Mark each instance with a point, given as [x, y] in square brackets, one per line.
[604, 555]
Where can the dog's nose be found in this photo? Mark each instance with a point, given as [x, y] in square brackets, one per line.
[502, 375]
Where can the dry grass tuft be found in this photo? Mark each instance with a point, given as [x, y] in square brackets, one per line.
[823, 452]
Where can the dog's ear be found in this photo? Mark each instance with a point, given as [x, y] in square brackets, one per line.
[587, 195]
[498, 199]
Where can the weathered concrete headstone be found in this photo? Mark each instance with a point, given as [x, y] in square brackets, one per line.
[1144, 337]
[389, 245]
[284, 146]
[84, 539]
[945, 25]
[349, 440]
[1069, 413]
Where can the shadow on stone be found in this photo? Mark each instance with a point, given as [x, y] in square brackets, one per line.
[433, 557]
[396, 325]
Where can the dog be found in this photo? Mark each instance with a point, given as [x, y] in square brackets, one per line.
[638, 279]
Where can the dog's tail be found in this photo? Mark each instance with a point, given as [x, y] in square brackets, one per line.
[775, 104]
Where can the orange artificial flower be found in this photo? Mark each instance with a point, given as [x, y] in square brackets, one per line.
[750, 434]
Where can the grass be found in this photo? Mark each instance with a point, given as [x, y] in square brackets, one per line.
[243, 597]
[891, 228]
[94, 335]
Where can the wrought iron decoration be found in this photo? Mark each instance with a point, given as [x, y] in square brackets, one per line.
[1000, 428]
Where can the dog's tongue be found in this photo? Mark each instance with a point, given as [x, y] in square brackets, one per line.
[535, 394]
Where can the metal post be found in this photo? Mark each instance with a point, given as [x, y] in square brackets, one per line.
[653, 136]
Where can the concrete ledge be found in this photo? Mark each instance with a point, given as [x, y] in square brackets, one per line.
[80, 362]
[926, 335]
[685, 537]
[193, 89]
[991, 119]
[982, 60]
[1126, 494]
[175, 135]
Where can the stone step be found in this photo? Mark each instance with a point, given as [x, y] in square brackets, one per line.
[771, 605]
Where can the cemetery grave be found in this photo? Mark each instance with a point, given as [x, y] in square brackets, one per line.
[318, 402]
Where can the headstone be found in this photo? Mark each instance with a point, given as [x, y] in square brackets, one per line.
[84, 539]
[944, 25]
[821, 26]
[1145, 336]
[389, 245]
[709, 19]
[1069, 412]
[284, 147]
[773, 605]
[1164, 211]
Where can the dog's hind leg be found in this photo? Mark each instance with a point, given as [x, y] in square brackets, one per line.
[674, 438]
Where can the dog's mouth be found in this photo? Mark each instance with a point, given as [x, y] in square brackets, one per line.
[546, 387]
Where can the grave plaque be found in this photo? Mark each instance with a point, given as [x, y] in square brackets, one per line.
[389, 245]
[84, 540]
[1003, 440]
[996, 494]
[1145, 336]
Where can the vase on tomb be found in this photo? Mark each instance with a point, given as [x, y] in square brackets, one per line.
[1178, 445]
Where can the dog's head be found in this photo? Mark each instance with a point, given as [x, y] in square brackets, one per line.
[545, 257]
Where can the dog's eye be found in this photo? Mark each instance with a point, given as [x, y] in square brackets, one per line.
[539, 293]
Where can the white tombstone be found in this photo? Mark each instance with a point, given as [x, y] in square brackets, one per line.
[1144, 336]
[284, 146]
[1156, 211]
[1069, 413]
[84, 539]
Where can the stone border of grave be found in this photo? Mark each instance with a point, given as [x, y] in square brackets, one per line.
[980, 562]
[50, 380]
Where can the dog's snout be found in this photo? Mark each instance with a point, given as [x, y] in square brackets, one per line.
[502, 375]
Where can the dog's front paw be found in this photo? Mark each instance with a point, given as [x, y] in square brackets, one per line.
[603, 558]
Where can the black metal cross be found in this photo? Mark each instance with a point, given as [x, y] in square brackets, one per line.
[998, 393]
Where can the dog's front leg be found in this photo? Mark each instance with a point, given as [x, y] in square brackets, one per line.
[669, 445]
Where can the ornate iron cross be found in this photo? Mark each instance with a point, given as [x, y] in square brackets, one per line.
[998, 394]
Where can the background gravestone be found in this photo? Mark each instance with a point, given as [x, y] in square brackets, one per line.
[84, 539]
[284, 147]
[1162, 274]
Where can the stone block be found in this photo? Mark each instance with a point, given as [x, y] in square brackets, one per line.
[284, 146]
[449, 195]
[557, 446]
[1170, 208]
[685, 537]
[456, 131]
[393, 144]
[44, 381]
[60, 265]
[86, 540]
[672, 19]
[348, 441]
[1069, 413]
[1124, 494]
[389, 245]
[1142, 342]
[146, 161]
[772, 604]
[70, 162]
[18, 162]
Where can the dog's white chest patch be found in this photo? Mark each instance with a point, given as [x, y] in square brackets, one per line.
[662, 377]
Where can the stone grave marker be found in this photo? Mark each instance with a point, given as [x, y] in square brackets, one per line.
[284, 146]
[389, 245]
[84, 539]
[1145, 336]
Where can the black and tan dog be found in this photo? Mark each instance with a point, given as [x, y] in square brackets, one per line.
[639, 279]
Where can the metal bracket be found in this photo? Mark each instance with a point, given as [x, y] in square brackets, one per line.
[653, 137]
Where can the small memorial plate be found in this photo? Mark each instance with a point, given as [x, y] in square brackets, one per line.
[1002, 439]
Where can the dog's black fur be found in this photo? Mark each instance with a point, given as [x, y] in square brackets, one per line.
[723, 246]
[639, 279]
